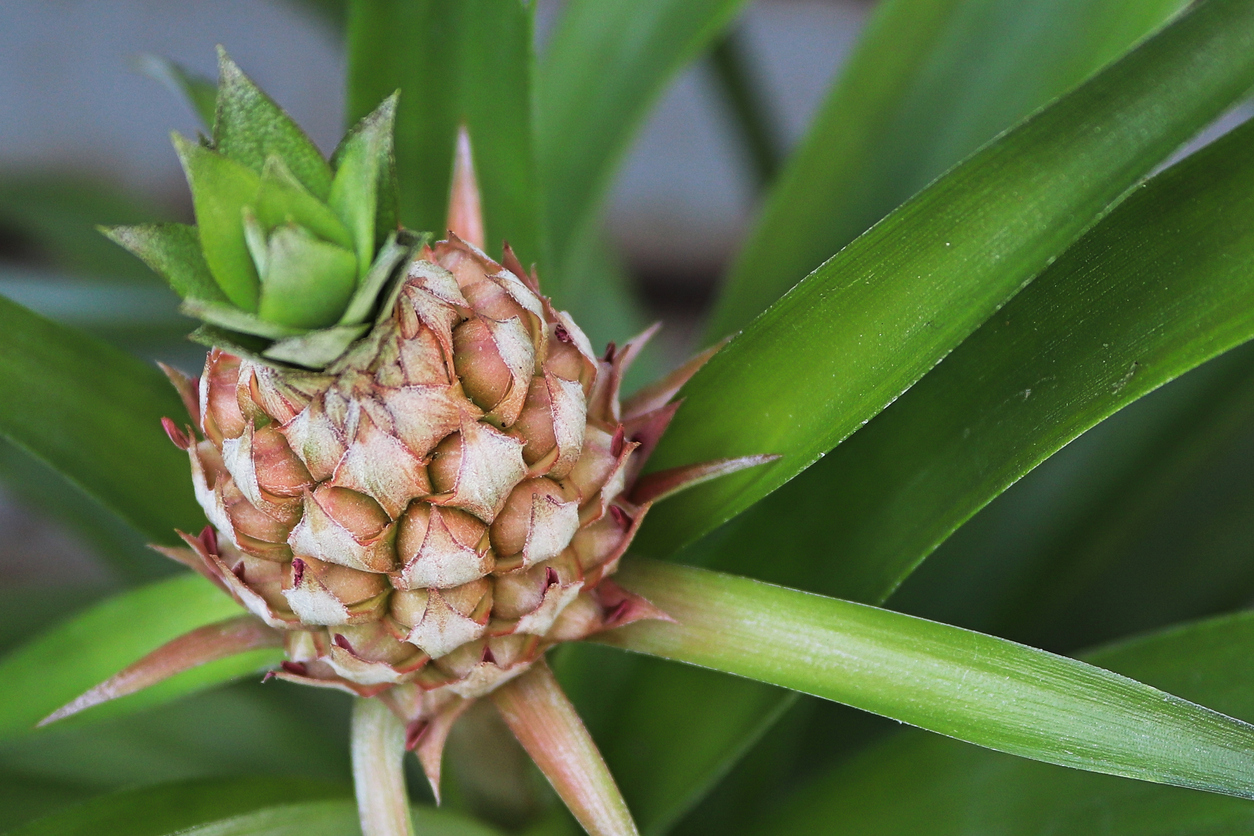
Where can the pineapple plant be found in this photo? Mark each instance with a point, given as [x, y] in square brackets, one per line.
[421, 482]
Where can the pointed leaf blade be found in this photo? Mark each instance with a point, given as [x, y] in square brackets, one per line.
[221, 189]
[249, 128]
[880, 314]
[454, 62]
[971, 686]
[361, 192]
[173, 252]
[198, 647]
[308, 282]
[170, 808]
[930, 81]
[56, 667]
[1161, 285]
[953, 789]
[93, 413]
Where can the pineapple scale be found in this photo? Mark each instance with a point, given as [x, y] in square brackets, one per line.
[439, 505]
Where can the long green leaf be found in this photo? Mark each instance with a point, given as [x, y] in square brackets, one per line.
[57, 666]
[162, 810]
[944, 788]
[331, 818]
[93, 413]
[930, 81]
[1161, 285]
[120, 546]
[246, 728]
[604, 65]
[911, 47]
[1140, 523]
[454, 61]
[864, 327]
[971, 686]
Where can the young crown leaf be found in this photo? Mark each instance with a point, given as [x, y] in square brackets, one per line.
[249, 128]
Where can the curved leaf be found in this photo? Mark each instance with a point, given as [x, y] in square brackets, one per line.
[930, 81]
[1141, 522]
[453, 61]
[1161, 285]
[971, 686]
[94, 414]
[331, 818]
[944, 788]
[864, 327]
[157, 811]
[62, 663]
[604, 65]
[246, 728]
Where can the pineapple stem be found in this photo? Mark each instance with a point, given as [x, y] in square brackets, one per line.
[378, 746]
[546, 724]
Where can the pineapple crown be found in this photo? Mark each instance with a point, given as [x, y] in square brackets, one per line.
[291, 253]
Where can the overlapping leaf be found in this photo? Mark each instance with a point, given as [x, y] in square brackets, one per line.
[94, 414]
[454, 61]
[1163, 284]
[62, 663]
[604, 65]
[847, 341]
[922, 783]
[971, 686]
[930, 81]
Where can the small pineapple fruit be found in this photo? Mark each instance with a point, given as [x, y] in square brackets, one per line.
[416, 469]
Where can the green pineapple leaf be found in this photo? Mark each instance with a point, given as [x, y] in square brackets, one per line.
[94, 414]
[944, 788]
[877, 316]
[971, 686]
[362, 192]
[1164, 283]
[282, 199]
[169, 808]
[911, 102]
[307, 283]
[173, 252]
[221, 189]
[250, 128]
[58, 665]
[466, 62]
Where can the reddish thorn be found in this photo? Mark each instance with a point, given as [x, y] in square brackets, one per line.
[298, 571]
[620, 516]
[238, 571]
[343, 643]
[563, 336]
[618, 441]
[550, 576]
[610, 351]
[297, 668]
[176, 435]
[487, 655]
[617, 612]
[209, 539]
[415, 732]
[269, 675]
